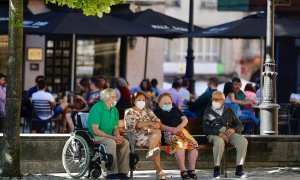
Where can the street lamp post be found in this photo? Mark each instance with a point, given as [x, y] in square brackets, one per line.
[269, 107]
[189, 71]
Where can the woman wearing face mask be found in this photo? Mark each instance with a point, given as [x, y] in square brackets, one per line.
[145, 127]
[179, 139]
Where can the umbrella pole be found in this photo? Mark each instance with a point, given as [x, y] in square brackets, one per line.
[73, 61]
[146, 57]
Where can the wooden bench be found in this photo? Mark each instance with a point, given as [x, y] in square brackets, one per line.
[202, 145]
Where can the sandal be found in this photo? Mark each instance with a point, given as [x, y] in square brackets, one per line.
[160, 175]
[184, 175]
[192, 174]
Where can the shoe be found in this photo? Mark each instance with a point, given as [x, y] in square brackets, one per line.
[192, 174]
[152, 153]
[184, 175]
[160, 175]
[217, 172]
[239, 172]
[123, 176]
[112, 176]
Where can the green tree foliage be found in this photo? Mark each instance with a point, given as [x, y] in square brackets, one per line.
[89, 7]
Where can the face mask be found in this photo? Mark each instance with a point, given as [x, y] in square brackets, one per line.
[114, 104]
[166, 107]
[216, 105]
[140, 104]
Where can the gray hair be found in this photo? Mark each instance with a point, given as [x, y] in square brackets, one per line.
[106, 93]
[122, 82]
[218, 92]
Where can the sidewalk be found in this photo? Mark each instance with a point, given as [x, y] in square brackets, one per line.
[274, 173]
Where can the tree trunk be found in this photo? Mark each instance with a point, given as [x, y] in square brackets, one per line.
[10, 163]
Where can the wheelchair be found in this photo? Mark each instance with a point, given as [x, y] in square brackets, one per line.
[81, 155]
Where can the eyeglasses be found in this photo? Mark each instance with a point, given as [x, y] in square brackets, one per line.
[217, 99]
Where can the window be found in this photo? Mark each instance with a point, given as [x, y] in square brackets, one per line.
[58, 64]
[173, 3]
[205, 50]
[208, 4]
[97, 56]
[3, 54]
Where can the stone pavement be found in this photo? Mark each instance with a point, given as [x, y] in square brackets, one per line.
[274, 173]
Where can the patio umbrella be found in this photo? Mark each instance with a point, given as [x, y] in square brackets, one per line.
[76, 23]
[252, 27]
[161, 25]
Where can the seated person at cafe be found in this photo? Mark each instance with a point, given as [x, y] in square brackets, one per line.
[93, 98]
[295, 100]
[35, 88]
[173, 124]
[295, 97]
[41, 94]
[222, 126]
[204, 101]
[103, 122]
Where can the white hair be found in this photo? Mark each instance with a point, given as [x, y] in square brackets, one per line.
[122, 82]
[218, 92]
[106, 93]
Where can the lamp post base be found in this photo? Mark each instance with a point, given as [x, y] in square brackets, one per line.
[268, 118]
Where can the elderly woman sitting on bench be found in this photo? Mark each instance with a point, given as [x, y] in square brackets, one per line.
[179, 139]
[145, 127]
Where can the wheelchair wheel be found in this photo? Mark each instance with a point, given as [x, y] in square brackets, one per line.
[76, 157]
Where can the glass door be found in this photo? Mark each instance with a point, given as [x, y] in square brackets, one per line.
[58, 64]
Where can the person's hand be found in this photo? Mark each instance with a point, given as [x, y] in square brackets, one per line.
[154, 125]
[118, 139]
[247, 102]
[174, 130]
[230, 132]
[177, 129]
[150, 130]
[224, 137]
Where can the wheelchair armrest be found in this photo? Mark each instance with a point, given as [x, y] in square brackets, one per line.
[129, 136]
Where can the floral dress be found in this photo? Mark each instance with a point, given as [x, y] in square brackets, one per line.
[132, 117]
[180, 140]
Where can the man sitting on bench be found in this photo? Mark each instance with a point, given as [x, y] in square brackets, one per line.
[222, 126]
[103, 122]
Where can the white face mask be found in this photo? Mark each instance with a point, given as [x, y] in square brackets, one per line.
[216, 105]
[114, 104]
[140, 104]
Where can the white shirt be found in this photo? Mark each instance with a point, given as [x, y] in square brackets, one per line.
[42, 95]
[185, 94]
[295, 97]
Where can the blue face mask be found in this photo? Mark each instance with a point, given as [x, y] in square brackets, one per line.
[166, 107]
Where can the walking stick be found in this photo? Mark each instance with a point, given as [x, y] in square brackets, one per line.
[226, 152]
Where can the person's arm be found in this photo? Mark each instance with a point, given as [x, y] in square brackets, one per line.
[238, 126]
[52, 101]
[98, 132]
[2, 96]
[183, 123]
[155, 121]
[142, 124]
[200, 101]
[81, 99]
[179, 102]
[233, 100]
[166, 128]
[293, 99]
[209, 124]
